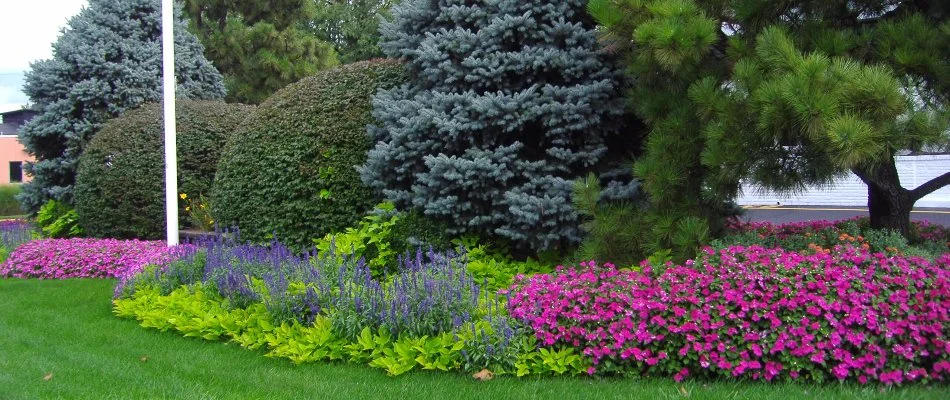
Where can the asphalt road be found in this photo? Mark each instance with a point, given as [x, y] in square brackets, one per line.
[781, 214]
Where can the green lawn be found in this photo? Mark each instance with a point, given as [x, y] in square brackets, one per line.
[66, 329]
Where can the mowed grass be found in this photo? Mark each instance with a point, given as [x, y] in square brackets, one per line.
[59, 339]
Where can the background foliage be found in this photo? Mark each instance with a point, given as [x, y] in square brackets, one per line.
[104, 62]
[9, 206]
[259, 45]
[352, 26]
[101, 66]
[120, 189]
[290, 170]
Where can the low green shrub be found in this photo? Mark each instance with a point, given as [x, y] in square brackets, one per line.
[58, 220]
[9, 206]
[385, 235]
[613, 230]
[290, 170]
[928, 240]
[120, 182]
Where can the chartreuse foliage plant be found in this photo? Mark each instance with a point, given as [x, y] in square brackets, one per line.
[288, 172]
[507, 102]
[430, 314]
[385, 236]
[104, 62]
[58, 220]
[120, 183]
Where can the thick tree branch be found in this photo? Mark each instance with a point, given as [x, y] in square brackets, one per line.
[862, 175]
[930, 186]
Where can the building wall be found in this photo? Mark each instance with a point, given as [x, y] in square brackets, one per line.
[11, 150]
[850, 191]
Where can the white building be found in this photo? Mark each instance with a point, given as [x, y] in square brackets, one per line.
[850, 191]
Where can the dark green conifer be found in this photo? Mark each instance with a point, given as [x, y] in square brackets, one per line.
[782, 93]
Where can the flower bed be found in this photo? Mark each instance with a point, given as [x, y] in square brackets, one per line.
[429, 314]
[13, 233]
[752, 312]
[85, 258]
[841, 312]
[927, 239]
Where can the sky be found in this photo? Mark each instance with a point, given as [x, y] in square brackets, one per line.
[27, 32]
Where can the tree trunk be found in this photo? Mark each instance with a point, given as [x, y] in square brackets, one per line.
[889, 204]
[890, 209]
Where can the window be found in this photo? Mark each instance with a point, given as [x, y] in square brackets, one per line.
[16, 171]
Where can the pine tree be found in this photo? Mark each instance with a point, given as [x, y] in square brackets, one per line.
[784, 94]
[508, 102]
[109, 59]
[352, 26]
[259, 45]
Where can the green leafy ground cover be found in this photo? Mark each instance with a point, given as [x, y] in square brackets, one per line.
[65, 330]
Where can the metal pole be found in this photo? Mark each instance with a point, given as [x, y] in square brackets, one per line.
[171, 147]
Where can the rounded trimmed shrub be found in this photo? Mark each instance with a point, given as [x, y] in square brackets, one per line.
[290, 171]
[120, 183]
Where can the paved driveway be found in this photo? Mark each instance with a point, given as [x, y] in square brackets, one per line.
[780, 214]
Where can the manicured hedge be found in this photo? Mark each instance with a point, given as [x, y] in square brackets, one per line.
[290, 171]
[120, 189]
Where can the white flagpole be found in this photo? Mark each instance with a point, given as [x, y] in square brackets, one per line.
[171, 147]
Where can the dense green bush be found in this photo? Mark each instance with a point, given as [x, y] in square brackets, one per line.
[290, 171]
[8, 203]
[120, 189]
[58, 220]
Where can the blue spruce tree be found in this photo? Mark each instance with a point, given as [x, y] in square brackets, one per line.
[107, 60]
[509, 101]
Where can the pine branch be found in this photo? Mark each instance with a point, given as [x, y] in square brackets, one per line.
[930, 187]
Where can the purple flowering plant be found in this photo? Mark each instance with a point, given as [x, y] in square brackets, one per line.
[763, 314]
[13, 233]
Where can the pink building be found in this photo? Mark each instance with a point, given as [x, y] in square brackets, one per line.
[12, 153]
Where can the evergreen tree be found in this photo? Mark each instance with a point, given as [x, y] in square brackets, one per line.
[784, 94]
[107, 60]
[508, 102]
[259, 45]
[352, 26]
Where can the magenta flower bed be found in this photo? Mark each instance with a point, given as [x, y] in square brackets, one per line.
[85, 258]
[752, 312]
[924, 230]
